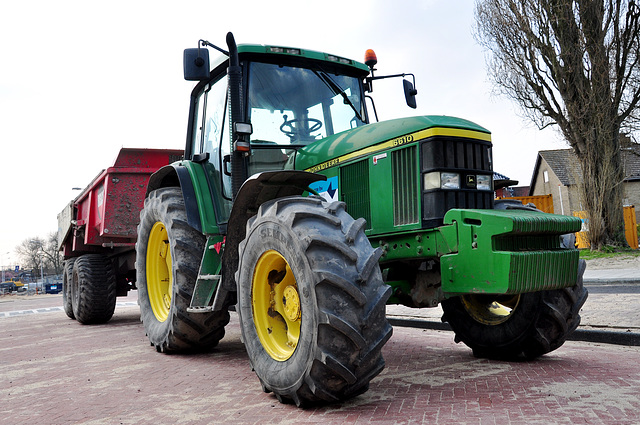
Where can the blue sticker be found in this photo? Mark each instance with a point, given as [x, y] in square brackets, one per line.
[328, 189]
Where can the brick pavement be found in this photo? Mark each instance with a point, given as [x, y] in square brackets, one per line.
[56, 371]
[615, 313]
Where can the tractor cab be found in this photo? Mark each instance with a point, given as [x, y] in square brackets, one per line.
[289, 99]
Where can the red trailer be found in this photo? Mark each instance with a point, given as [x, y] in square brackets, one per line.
[97, 233]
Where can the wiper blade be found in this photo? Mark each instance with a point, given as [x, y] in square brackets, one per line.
[336, 89]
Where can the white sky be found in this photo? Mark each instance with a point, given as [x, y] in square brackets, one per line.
[81, 79]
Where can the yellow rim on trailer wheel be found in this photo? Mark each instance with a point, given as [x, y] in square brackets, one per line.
[159, 271]
[277, 313]
[490, 309]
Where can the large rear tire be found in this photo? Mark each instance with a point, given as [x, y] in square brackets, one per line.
[514, 327]
[311, 301]
[93, 289]
[67, 279]
[168, 255]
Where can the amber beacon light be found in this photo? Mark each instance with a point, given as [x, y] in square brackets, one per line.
[370, 58]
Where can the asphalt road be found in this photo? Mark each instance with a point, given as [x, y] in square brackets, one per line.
[56, 371]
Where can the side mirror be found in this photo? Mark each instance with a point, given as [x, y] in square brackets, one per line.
[409, 93]
[196, 64]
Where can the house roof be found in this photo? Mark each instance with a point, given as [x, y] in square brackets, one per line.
[565, 164]
[498, 176]
[631, 161]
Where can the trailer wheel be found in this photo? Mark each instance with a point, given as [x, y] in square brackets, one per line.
[512, 327]
[168, 255]
[93, 289]
[67, 279]
[311, 301]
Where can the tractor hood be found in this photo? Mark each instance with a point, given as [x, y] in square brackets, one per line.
[364, 140]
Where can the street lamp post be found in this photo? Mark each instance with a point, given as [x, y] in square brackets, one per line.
[2, 264]
[41, 267]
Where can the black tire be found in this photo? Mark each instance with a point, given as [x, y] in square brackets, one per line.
[169, 326]
[538, 322]
[67, 278]
[338, 287]
[93, 289]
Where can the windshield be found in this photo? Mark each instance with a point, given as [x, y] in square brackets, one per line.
[296, 106]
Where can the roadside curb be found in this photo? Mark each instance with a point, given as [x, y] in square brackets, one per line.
[631, 339]
[609, 281]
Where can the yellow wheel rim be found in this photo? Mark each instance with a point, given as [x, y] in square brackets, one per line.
[490, 309]
[277, 313]
[159, 271]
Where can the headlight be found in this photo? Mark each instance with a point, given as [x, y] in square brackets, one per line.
[484, 182]
[438, 180]
[447, 180]
[432, 181]
[450, 181]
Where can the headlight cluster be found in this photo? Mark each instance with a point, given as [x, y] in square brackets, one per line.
[483, 182]
[449, 180]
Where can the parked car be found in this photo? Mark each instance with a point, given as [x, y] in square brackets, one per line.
[8, 287]
[53, 288]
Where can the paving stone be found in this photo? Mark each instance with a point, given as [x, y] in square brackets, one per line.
[56, 371]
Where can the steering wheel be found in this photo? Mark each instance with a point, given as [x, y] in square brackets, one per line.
[293, 128]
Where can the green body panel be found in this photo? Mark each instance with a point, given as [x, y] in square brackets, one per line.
[421, 244]
[316, 156]
[364, 157]
[303, 53]
[292, 52]
[367, 186]
[202, 188]
[212, 253]
[508, 252]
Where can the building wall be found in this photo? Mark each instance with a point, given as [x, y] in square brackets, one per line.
[575, 201]
[632, 196]
[548, 184]
[566, 199]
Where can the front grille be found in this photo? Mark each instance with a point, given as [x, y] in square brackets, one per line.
[463, 156]
[354, 187]
[405, 187]
[456, 153]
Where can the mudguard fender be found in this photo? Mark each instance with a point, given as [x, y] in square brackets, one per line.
[255, 191]
[176, 175]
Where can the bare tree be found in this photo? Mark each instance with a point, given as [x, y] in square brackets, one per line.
[30, 253]
[573, 64]
[33, 251]
[53, 257]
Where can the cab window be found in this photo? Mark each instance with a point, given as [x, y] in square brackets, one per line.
[212, 137]
[297, 106]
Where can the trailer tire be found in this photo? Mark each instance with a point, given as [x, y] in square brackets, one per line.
[167, 279]
[537, 323]
[318, 338]
[93, 289]
[67, 279]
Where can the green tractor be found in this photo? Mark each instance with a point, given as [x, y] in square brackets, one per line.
[293, 208]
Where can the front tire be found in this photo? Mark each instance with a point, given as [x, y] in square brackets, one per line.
[513, 327]
[311, 301]
[168, 255]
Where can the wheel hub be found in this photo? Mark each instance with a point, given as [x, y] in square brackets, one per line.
[159, 271]
[291, 303]
[277, 313]
[490, 309]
